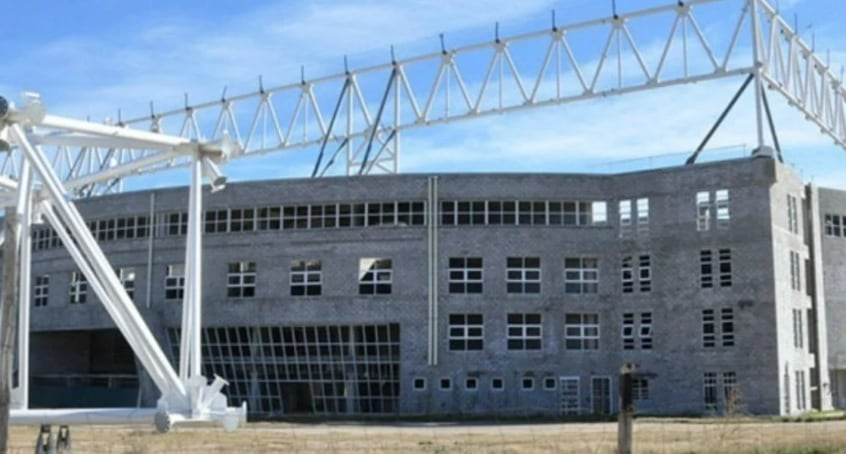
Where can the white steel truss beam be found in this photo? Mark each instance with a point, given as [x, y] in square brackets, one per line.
[521, 72]
[185, 398]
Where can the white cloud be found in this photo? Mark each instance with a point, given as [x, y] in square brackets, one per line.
[160, 61]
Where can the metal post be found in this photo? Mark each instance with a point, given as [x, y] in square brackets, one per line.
[24, 218]
[7, 321]
[194, 278]
[758, 64]
[625, 418]
[189, 361]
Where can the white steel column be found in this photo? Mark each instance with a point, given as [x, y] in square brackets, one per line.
[190, 359]
[757, 68]
[24, 216]
[101, 276]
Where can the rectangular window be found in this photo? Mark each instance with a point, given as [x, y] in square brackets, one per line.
[174, 283]
[570, 396]
[375, 276]
[709, 328]
[419, 384]
[295, 217]
[524, 331]
[242, 220]
[581, 331]
[628, 331]
[306, 278]
[570, 213]
[627, 274]
[411, 213]
[644, 273]
[725, 267]
[509, 212]
[798, 329]
[523, 275]
[730, 393]
[466, 332]
[706, 269]
[703, 211]
[446, 384]
[598, 213]
[581, 275]
[270, 218]
[837, 226]
[633, 332]
[176, 224]
[470, 213]
[216, 221]
[78, 288]
[640, 389]
[645, 331]
[710, 387]
[721, 201]
[41, 290]
[625, 209]
[727, 326]
[642, 216]
[127, 279]
[792, 214]
[241, 280]
[795, 272]
[465, 275]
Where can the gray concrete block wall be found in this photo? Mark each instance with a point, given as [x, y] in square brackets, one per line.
[676, 364]
[834, 267]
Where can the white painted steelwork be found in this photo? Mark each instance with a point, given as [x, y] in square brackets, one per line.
[363, 126]
[87, 156]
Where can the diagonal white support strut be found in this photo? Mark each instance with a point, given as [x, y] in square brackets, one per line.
[68, 223]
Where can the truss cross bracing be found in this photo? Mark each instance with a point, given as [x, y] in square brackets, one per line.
[356, 118]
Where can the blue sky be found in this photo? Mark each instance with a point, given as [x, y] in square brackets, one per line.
[91, 58]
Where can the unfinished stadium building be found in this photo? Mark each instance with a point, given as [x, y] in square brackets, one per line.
[439, 293]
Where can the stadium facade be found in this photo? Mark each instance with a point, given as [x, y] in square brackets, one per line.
[471, 293]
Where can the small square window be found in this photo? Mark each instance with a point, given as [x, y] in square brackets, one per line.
[497, 384]
[528, 383]
[549, 383]
[419, 384]
[471, 384]
[446, 384]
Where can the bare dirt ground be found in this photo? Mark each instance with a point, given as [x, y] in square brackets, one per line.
[651, 436]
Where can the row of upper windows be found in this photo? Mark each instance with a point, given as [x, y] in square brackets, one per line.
[523, 212]
[524, 331]
[632, 212]
[323, 216]
[465, 276]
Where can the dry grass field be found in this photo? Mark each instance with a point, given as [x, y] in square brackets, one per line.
[651, 436]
